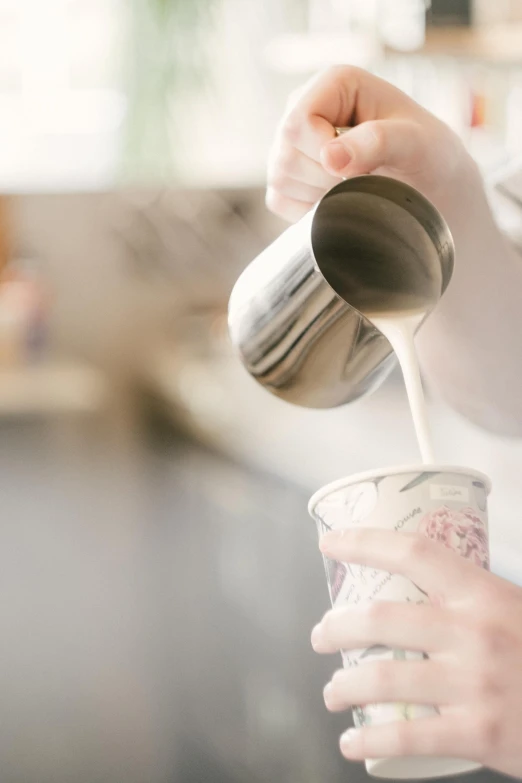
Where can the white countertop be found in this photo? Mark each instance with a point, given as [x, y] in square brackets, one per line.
[311, 447]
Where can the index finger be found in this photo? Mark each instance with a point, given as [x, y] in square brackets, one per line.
[340, 96]
[435, 569]
[313, 112]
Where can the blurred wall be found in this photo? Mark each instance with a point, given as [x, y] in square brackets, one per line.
[121, 266]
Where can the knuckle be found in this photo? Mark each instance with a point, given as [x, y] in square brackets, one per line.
[417, 135]
[373, 615]
[279, 181]
[291, 128]
[491, 638]
[487, 731]
[489, 600]
[339, 678]
[286, 160]
[400, 740]
[417, 675]
[274, 201]
[508, 591]
[487, 685]
[417, 548]
[379, 678]
[330, 624]
[358, 538]
[378, 134]
[344, 73]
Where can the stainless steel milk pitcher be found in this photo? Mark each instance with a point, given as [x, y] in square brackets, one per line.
[297, 314]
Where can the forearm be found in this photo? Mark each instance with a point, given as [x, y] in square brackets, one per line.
[471, 346]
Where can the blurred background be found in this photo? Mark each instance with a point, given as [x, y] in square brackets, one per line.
[159, 572]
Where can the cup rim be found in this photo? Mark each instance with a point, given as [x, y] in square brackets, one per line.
[396, 470]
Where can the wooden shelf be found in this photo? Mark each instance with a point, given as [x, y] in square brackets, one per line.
[304, 53]
[501, 44]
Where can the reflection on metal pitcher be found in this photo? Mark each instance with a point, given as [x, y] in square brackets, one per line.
[297, 313]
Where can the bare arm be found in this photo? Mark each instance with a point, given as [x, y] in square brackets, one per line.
[471, 346]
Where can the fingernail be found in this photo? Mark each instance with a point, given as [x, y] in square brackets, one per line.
[316, 637]
[328, 541]
[347, 739]
[338, 155]
[327, 693]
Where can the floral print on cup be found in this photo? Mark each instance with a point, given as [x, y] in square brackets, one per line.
[361, 501]
[445, 506]
[461, 531]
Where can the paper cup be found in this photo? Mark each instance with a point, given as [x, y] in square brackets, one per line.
[447, 504]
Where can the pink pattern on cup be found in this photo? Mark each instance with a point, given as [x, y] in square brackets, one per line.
[462, 531]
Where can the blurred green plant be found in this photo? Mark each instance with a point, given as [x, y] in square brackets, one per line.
[167, 63]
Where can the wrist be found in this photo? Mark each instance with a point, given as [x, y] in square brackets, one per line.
[455, 193]
[461, 199]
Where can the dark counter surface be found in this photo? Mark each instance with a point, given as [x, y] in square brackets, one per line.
[157, 606]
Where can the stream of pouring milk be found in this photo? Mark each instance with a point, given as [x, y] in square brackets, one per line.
[399, 329]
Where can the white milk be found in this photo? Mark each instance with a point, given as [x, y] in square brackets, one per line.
[399, 329]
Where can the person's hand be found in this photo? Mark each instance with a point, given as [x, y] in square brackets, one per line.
[390, 134]
[472, 632]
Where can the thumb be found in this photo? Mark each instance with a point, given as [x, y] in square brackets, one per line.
[399, 144]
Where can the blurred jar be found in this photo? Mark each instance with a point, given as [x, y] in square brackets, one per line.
[23, 316]
[402, 24]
